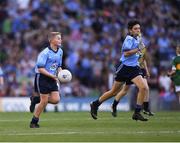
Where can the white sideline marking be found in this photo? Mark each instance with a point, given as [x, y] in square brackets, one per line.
[74, 132]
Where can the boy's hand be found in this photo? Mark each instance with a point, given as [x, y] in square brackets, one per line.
[55, 78]
[141, 44]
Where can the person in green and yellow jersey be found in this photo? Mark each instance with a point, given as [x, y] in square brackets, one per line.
[175, 72]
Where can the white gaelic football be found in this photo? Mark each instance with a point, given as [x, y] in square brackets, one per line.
[64, 76]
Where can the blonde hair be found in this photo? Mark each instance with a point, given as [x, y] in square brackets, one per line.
[51, 35]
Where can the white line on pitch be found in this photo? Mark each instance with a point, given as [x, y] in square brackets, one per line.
[84, 133]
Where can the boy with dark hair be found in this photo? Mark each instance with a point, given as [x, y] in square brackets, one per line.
[143, 64]
[127, 70]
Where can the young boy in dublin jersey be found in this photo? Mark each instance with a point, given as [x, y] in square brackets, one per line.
[143, 65]
[128, 70]
[49, 62]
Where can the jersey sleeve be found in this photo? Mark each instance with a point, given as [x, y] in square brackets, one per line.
[128, 45]
[42, 58]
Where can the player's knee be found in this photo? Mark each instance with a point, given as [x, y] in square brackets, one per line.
[143, 88]
[114, 93]
[44, 101]
[56, 100]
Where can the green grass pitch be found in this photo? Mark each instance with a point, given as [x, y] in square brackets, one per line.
[79, 126]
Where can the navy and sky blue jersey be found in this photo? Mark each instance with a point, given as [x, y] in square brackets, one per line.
[50, 60]
[130, 43]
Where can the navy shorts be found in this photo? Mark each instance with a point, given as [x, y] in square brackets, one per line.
[125, 73]
[44, 84]
[143, 75]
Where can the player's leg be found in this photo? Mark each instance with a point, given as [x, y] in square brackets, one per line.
[177, 90]
[40, 108]
[34, 100]
[143, 89]
[45, 86]
[54, 97]
[146, 108]
[95, 104]
[118, 97]
[178, 93]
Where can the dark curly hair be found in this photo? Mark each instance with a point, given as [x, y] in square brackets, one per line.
[132, 23]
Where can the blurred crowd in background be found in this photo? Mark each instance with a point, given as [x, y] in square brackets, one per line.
[93, 32]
